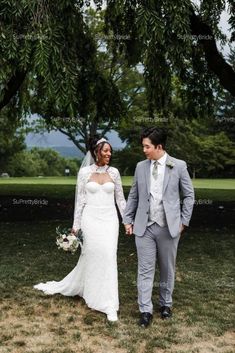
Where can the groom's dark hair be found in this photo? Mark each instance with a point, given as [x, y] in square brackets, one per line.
[156, 135]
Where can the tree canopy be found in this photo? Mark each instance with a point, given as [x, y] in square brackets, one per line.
[117, 93]
[48, 52]
[11, 136]
[123, 65]
[172, 37]
[47, 49]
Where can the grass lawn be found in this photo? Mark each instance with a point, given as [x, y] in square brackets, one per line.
[203, 320]
[63, 187]
[226, 184]
[222, 184]
[38, 181]
[126, 181]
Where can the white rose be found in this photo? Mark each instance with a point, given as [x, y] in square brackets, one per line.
[71, 238]
[66, 245]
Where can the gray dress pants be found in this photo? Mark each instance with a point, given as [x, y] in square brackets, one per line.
[156, 244]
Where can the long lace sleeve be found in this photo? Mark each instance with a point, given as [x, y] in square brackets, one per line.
[119, 195]
[80, 199]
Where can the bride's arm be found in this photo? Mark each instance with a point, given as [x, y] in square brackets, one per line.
[80, 200]
[119, 195]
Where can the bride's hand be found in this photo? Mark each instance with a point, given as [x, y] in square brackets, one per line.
[73, 231]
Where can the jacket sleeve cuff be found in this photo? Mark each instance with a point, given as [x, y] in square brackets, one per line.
[184, 222]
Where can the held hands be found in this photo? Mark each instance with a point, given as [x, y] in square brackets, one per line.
[129, 229]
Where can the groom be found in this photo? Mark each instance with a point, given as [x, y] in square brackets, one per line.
[155, 215]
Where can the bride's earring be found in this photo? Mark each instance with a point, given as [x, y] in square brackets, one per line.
[97, 158]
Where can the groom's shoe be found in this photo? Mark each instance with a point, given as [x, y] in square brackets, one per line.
[145, 319]
[166, 312]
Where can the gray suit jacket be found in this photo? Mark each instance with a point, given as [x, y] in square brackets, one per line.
[177, 189]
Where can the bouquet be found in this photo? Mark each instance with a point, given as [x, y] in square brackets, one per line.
[67, 241]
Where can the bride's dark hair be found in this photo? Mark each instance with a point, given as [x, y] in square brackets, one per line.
[94, 148]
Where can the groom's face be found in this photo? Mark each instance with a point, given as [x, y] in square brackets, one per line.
[150, 151]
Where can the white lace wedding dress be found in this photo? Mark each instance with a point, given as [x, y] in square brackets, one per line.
[95, 276]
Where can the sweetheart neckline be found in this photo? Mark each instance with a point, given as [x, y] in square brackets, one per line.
[91, 181]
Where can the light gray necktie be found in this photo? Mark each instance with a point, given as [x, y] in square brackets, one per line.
[155, 170]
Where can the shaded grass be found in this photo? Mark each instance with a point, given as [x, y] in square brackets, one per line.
[215, 195]
[33, 322]
[38, 190]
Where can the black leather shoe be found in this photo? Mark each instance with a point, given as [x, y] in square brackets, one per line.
[145, 319]
[166, 312]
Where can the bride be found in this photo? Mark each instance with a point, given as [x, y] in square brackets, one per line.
[95, 276]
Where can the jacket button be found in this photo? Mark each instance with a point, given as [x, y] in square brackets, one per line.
[147, 212]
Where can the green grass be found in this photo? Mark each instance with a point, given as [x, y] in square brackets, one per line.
[203, 318]
[64, 187]
[227, 184]
[49, 181]
[222, 184]
[39, 181]
[55, 187]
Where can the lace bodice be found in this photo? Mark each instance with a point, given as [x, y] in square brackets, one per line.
[89, 192]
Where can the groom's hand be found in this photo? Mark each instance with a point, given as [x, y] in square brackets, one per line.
[182, 228]
[129, 229]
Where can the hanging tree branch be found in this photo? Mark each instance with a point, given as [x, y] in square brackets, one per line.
[214, 59]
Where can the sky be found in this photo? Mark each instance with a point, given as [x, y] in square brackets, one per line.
[58, 139]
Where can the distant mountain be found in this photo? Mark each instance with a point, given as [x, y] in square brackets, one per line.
[54, 139]
[67, 151]
[64, 151]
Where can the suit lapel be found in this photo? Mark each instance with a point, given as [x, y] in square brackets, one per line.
[147, 174]
[167, 174]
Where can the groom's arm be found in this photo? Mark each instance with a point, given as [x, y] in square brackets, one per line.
[132, 202]
[186, 187]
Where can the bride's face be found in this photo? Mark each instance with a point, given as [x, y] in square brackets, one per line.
[105, 154]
